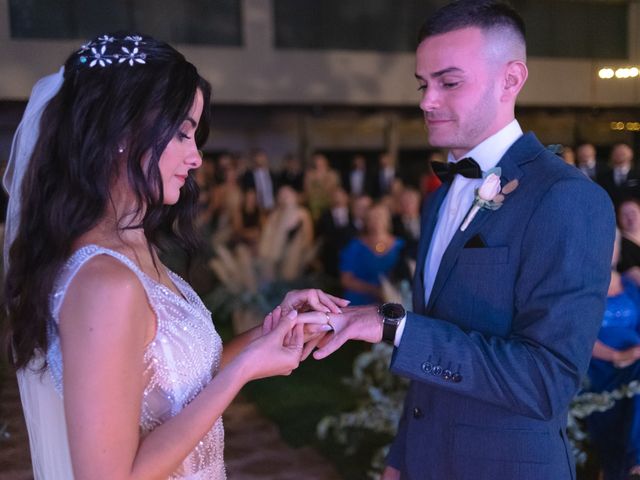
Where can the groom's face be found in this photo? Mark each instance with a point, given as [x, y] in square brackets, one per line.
[460, 89]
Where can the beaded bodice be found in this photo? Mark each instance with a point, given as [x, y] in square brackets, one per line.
[180, 361]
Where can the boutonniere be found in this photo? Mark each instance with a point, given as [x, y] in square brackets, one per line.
[490, 196]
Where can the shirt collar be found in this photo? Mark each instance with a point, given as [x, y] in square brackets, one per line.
[489, 152]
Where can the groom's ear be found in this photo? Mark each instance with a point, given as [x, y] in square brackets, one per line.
[515, 76]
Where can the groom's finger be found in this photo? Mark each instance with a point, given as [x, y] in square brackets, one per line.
[331, 346]
[311, 345]
[320, 318]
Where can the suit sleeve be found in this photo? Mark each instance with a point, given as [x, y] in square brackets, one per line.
[561, 284]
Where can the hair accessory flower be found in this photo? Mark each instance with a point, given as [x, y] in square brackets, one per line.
[489, 196]
[107, 50]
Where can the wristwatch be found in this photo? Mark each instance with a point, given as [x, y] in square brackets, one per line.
[391, 314]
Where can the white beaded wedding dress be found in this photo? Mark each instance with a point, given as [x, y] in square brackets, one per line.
[178, 364]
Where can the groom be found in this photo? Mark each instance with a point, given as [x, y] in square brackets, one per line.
[506, 311]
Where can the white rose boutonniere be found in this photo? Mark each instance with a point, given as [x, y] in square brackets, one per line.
[489, 196]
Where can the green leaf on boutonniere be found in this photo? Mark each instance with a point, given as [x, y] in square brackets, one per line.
[496, 170]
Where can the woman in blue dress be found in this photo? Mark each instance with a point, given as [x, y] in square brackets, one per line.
[616, 432]
[366, 258]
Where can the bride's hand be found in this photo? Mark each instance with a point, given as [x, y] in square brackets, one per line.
[278, 352]
[312, 299]
[390, 473]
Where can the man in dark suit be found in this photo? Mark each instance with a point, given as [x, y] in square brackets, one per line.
[385, 176]
[358, 179]
[622, 180]
[292, 173]
[507, 302]
[261, 179]
[587, 162]
[336, 230]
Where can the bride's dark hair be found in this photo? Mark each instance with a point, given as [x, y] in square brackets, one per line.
[101, 109]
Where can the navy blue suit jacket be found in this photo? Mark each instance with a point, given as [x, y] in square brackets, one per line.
[499, 349]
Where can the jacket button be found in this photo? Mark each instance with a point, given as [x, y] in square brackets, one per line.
[427, 367]
[447, 374]
[417, 413]
[456, 378]
[437, 370]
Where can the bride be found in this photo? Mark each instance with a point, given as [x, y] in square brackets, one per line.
[121, 372]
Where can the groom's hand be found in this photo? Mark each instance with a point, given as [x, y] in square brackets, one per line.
[354, 323]
[390, 473]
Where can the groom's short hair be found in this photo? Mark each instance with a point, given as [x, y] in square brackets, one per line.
[491, 16]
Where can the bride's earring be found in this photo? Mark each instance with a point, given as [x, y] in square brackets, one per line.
[120, 149]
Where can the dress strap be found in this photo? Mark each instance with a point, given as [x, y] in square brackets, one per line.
[75, 263]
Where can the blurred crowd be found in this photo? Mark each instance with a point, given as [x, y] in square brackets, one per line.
[363, 222]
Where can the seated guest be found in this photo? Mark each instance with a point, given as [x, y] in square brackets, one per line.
[568, 155]
[359, 208]
[369, 256]
[587, 163]
[319, 183]
[248, 220]
[288, 231]
[260, 179]
[406, 224]
[335, 230]
[429, 182]
[226, 202]
[622, 180]
[616, 432]
[629, 222]
[358, 179]
[386, 175]
[292, 174]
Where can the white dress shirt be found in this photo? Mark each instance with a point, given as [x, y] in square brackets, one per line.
[264, 188]
[458, 201]
[357, 182]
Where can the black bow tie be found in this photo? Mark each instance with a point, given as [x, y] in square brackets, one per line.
[467, 167]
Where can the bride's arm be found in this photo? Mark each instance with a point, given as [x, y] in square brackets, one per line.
[104, 327]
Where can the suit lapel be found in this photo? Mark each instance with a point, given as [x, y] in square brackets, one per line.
[523, 151]
[428, 225]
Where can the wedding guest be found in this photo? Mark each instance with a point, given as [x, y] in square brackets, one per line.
[292, 174]
[376, 253]
[288, 231]
[587, 163]
[622, 180]
[359, 208]
[226, 204]
[357, 180]
[406, 224]
[568, 155]
[386, 175]
[335, 230]
[261, 179]
[616, 362]
[121, 371]
[319, 183]
[249, 220]
[429, 182]
[629, 222]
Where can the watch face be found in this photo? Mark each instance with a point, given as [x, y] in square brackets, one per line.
[393, 311]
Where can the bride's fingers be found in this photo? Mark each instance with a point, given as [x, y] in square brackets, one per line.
[331, 302]
[272, 320]
[297, 338]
